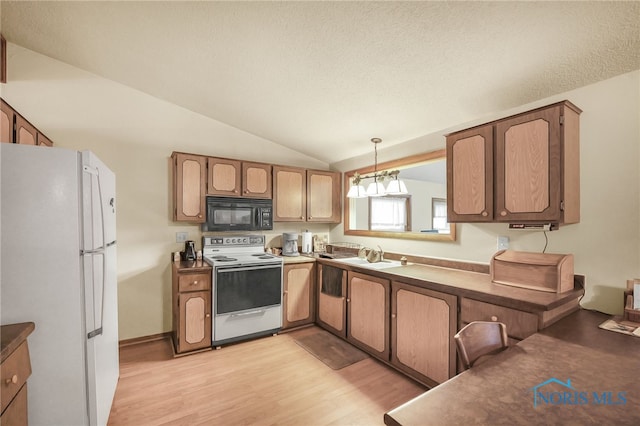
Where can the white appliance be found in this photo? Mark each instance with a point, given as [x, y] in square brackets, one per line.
[58, 270]
[246, 287]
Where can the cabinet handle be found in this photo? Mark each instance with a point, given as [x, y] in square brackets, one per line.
[199, 216]
[393, 315]
[285, 293]
[485, 214]
[494, 318]
[13, 379]
[207, 315]
[348, 300]
[503, 213]
[194, 283]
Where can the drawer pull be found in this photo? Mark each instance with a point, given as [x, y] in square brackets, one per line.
[194, 283]
[494, 318]
[13, 379]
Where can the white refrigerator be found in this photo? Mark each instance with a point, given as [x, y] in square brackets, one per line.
[58, 270]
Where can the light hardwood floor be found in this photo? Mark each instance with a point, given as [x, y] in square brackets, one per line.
[271, 380]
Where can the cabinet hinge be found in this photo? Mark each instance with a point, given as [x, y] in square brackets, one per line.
[562, 206]
[561, 120]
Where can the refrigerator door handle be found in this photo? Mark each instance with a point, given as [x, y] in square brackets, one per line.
[98, 329]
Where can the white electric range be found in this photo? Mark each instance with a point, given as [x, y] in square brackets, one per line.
[246, 287]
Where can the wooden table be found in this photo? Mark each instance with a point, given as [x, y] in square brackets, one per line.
[592, 376]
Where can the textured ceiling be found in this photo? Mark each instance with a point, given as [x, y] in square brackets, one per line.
[324, 77]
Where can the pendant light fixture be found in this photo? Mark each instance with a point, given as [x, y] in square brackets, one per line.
[376, 188]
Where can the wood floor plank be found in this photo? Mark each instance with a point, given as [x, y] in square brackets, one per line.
[267, 381]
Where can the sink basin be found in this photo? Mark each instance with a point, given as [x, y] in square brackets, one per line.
[363, 262]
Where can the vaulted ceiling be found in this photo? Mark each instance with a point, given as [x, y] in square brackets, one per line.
[324, 77]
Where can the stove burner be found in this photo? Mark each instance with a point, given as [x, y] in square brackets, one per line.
[262, 256]
[221, 258]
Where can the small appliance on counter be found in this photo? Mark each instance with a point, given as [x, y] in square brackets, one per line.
[290, 244]
[189, 252]
[307, 246]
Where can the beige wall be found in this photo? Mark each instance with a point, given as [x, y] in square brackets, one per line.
[606, 242]
[134, 134]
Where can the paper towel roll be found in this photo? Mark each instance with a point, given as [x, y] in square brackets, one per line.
[306, 242]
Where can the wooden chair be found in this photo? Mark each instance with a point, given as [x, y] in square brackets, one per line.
[480, 338]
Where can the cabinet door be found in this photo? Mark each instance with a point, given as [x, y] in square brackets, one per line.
[189, 178]
[43, 140]
[299, 292]
[224, 177]
[289, 194]
[528, 160]
[26, 134]
[256, 180]
[324, 196]
[470, 175]
[368, 313]
[332, 301]
[422, 329]
[195, 321]
[7, 118]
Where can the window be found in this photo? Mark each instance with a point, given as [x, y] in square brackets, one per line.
[439, 214]
[390, 213]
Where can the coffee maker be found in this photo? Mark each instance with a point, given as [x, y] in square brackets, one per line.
[189, 252]
[290, 244]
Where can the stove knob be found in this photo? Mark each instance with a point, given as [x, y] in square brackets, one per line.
[244, 241]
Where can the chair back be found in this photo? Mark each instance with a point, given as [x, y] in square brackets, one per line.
[480, 338]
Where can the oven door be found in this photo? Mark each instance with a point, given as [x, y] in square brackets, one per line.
[247, 300]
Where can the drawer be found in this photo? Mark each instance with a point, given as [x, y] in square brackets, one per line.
[14, 372]
[16, 412]
[519, 324]
[194, 282]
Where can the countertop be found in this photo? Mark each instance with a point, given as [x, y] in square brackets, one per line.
[598, 369]
[12, 335]
[470, 284]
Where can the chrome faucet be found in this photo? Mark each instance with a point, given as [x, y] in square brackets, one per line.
[375, 256]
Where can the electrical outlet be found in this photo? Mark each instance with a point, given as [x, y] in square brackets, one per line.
[181, 237]
[503, 242]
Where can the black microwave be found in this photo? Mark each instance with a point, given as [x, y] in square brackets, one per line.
[238, 214]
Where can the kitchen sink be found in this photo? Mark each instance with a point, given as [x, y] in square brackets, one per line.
[383, 264]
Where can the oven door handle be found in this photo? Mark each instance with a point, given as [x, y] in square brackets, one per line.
[250, 313]
[248, 268]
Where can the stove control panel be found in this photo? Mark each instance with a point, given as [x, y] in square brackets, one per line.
[234, 241]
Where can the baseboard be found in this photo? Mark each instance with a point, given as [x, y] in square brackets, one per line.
[144, 339]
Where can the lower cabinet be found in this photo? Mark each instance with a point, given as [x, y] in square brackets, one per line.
[191, 295]
[520, 324]
[299, 294]
[368, 313]
[332, 300]
[423, 323]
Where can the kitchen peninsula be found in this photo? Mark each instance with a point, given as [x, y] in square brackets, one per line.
[572, 372]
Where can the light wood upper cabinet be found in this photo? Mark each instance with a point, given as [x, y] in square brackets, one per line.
[423, 323]
[302, 195]
[324, 196]
[521, 169]
[298, 302]
[224, 177]
[26, 134]
[235, 178]
[289, 194]
[470, 172]
[7, 120]
[189, 182]
[368, 313]
[256, 180]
